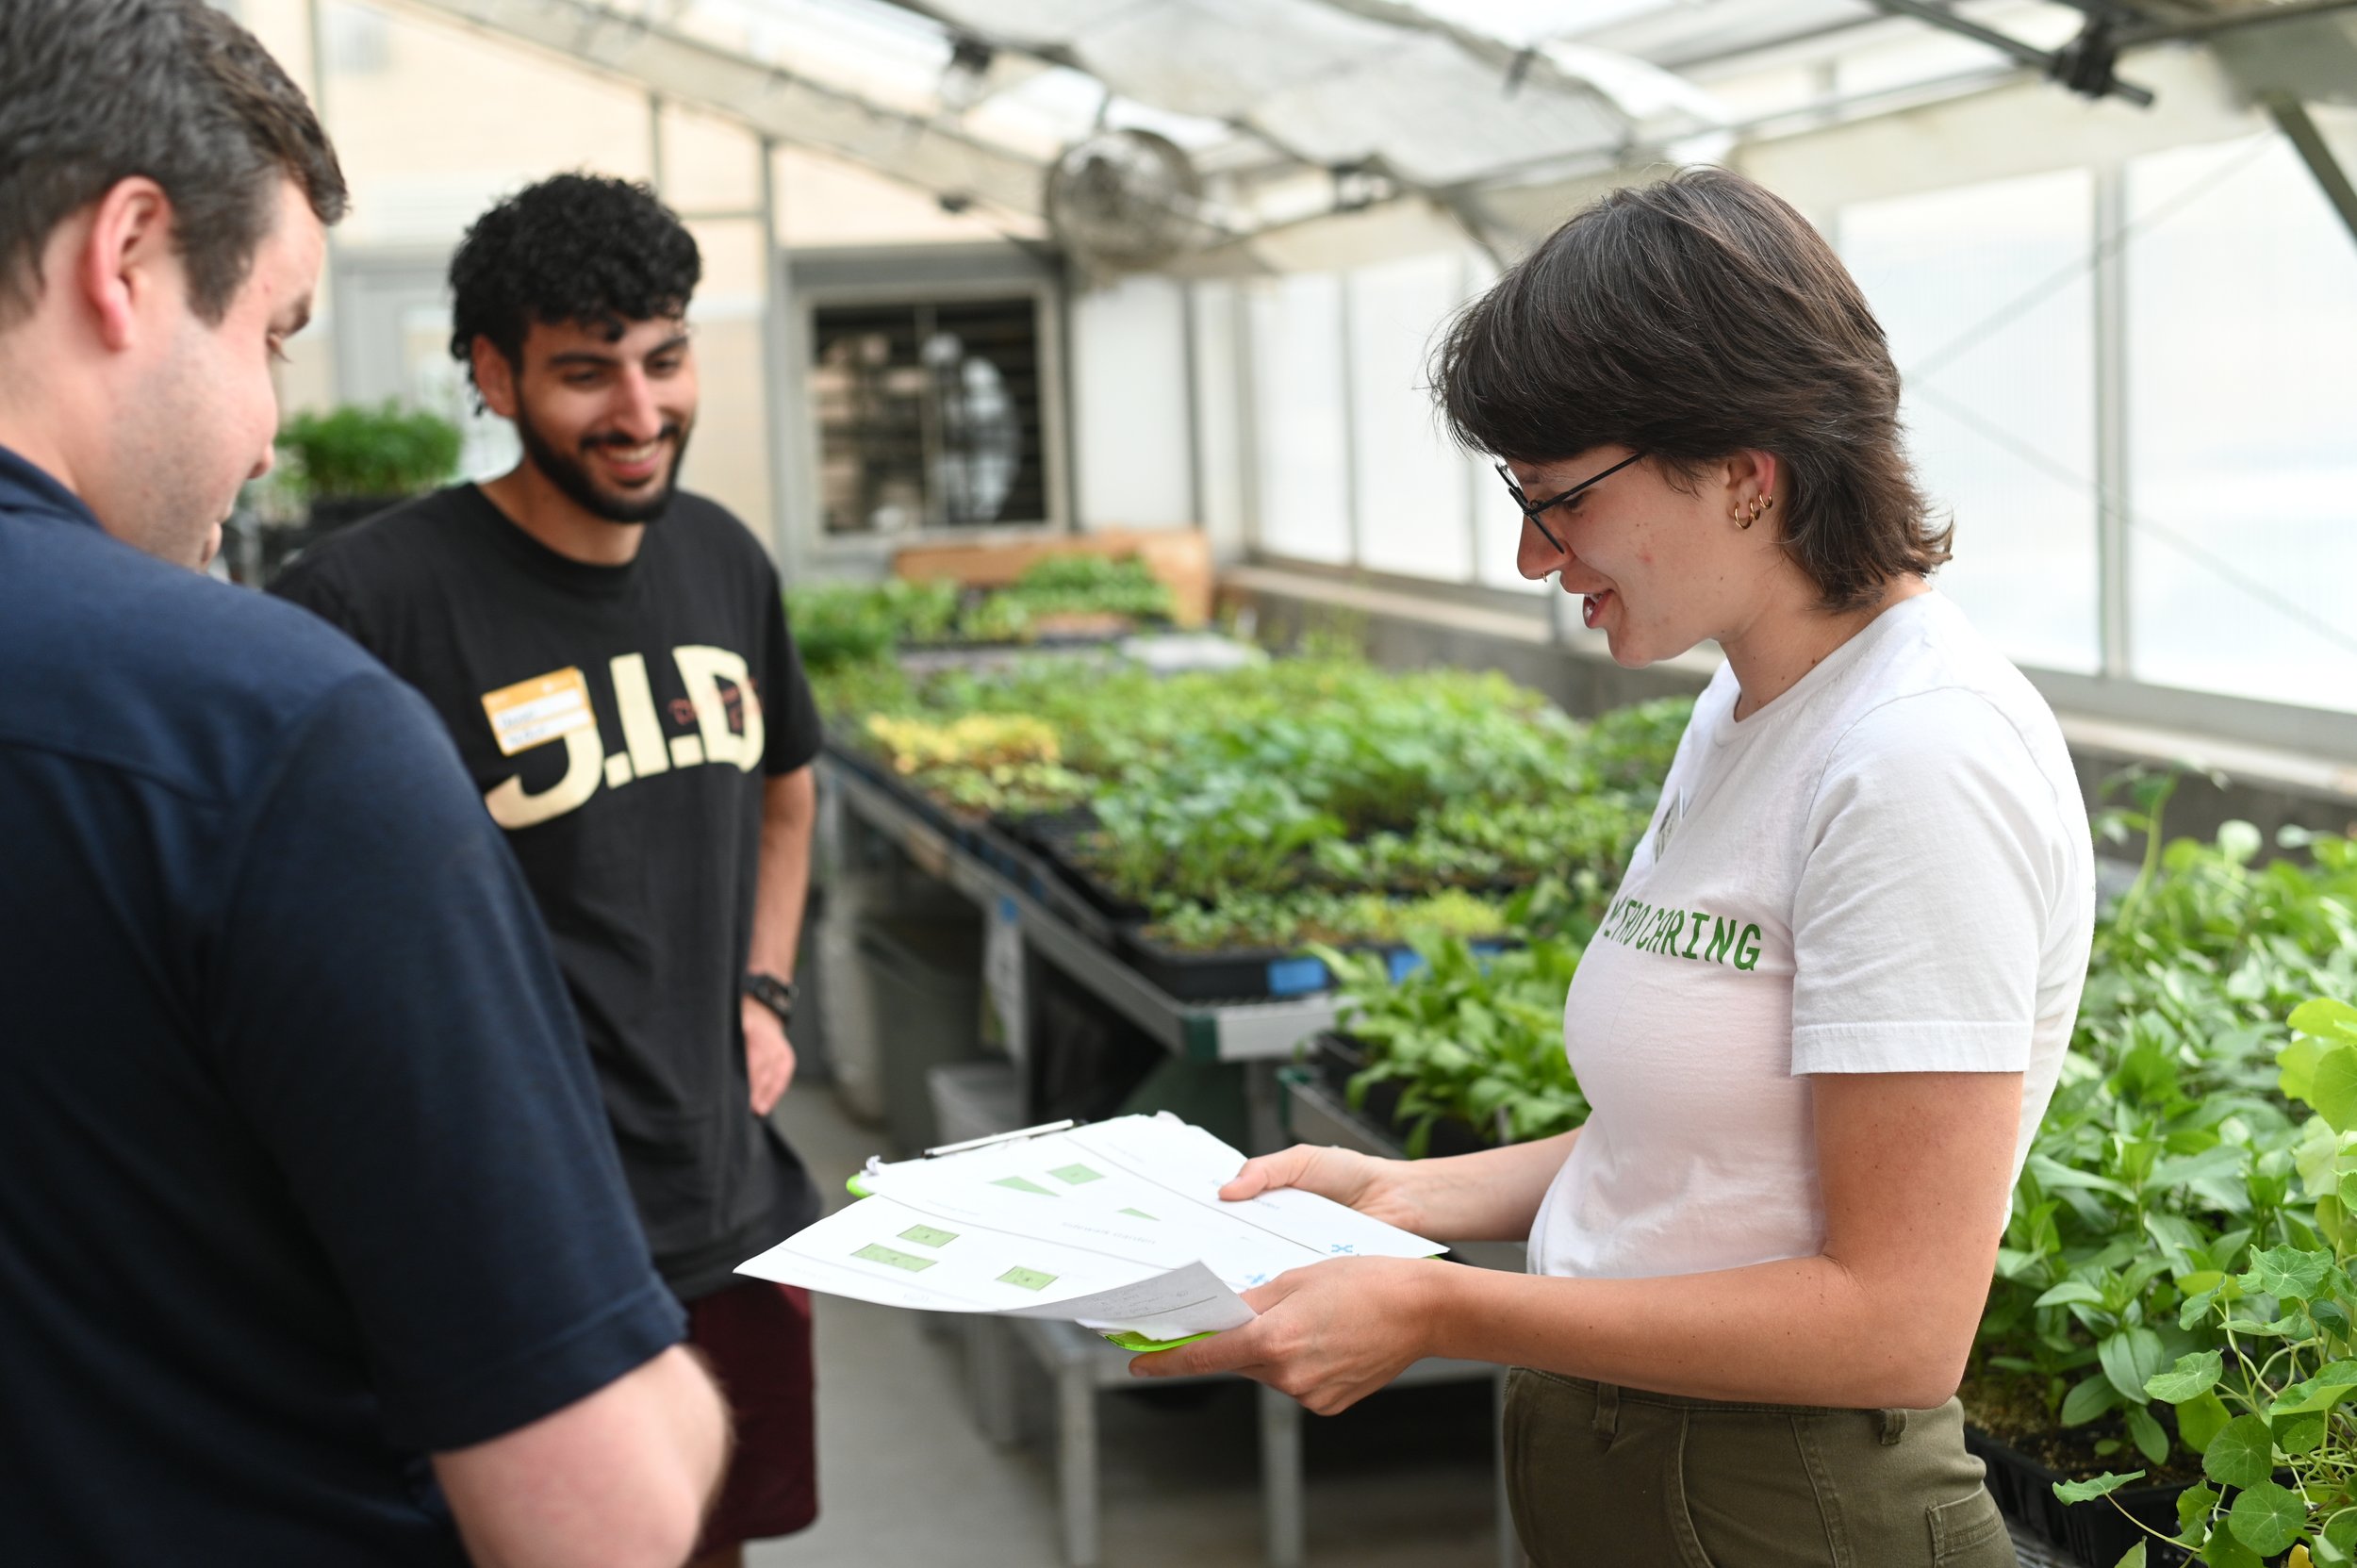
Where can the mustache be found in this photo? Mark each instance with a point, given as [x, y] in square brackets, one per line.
[671, 432]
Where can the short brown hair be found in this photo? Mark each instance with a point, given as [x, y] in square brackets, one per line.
[94, 92]
[1691, 318]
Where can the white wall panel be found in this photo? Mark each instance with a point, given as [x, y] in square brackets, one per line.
[1129, 412]
[1413, 499]
[1302, 448]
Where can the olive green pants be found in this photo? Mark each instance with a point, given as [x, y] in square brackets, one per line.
[1601, 1477]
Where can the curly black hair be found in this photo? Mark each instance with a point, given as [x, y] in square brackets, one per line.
[573, 248]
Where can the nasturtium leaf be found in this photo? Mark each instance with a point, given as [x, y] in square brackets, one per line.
[2088, 1398]
[2299, 1434]
[2267, 1517]
[2129, 1358]
[2192, 1375]
[2341, 1530]
[2070, 1291]
[2193, 1505]
[2297, 1060]
[2326, 1017]
[2197, 1307]
[2239, 841]
[2153, 1442]
[2094, 1486]
[2288, 1271]
[2224, 1551]
[2199, 1419]
[2241, 1453]
[2132, 1557]
[2332, 1088]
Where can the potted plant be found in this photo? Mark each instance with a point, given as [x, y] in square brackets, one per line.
[354, 461]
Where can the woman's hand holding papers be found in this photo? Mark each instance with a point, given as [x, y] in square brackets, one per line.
[1493, 1195]
[1327, 1335]
[1334, 1333]
[1354, 1180]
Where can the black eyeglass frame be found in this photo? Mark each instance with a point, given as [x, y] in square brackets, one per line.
[1531, 509]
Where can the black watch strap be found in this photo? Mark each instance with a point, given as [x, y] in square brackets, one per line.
[773, 993]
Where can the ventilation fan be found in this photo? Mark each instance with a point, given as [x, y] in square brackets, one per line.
[1125, 201]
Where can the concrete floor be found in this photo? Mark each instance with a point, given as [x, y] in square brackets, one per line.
[907, 1481]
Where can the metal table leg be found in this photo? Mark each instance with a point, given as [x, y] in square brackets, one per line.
[1075, 1461]
[1280, 1478]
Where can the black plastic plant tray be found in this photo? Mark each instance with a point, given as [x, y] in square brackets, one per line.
[1338, 1057]
[1054, 838]
[2093, 1533]
[875, 771]
[1249, 974]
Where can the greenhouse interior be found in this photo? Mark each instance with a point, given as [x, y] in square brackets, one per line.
[1793, 1003]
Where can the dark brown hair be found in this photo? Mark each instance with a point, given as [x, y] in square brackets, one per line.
[94, 92]
[1692, 319]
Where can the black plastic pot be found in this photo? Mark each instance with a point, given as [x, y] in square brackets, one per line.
[1338, 1058]
[2093, 1533]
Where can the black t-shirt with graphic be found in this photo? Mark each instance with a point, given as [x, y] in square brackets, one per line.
[618, 722]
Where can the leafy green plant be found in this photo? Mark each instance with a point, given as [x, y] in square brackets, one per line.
[359, 451]
[1292, 920]
[1477, 1037]
[2168, 1150]
[840, 624]
[2272, 1403]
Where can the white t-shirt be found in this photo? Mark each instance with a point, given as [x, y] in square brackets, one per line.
[1887, 868]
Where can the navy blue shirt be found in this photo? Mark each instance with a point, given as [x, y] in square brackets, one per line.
[304, 1173]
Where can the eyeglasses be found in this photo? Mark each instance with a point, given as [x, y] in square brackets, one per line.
[1532, 508]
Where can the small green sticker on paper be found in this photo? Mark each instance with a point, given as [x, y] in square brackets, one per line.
[1142, 1215]
[925, 1235]
[876, 1252]
[1027, 1278]
[1075, 1175]
[1022, 1185]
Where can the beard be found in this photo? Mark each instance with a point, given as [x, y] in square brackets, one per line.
[570, 474]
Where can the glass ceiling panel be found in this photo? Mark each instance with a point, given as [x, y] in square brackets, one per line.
[1454, 96]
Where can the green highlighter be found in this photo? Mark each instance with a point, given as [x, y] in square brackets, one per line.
[1130, 1339]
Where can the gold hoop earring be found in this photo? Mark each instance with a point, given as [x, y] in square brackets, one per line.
[1745, 516]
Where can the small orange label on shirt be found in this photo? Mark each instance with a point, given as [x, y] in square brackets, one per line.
[534, 712]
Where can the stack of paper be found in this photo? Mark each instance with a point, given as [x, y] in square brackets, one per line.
[1117, 1226]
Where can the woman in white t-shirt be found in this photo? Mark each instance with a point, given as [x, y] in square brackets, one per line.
[1828, 1003]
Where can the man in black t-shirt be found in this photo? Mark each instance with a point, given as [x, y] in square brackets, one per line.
[611, 656]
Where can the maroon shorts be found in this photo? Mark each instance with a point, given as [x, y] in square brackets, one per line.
[757, 1337]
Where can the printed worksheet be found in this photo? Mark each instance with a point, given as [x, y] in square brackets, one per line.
[1117, 1226]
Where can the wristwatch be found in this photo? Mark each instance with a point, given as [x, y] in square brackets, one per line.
[773, 993]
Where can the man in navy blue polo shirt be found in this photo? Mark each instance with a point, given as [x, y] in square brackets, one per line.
[314, 1247]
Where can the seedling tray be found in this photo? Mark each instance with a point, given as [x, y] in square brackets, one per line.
[1054, 838]
[2093, 1533]
[1246, 974]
